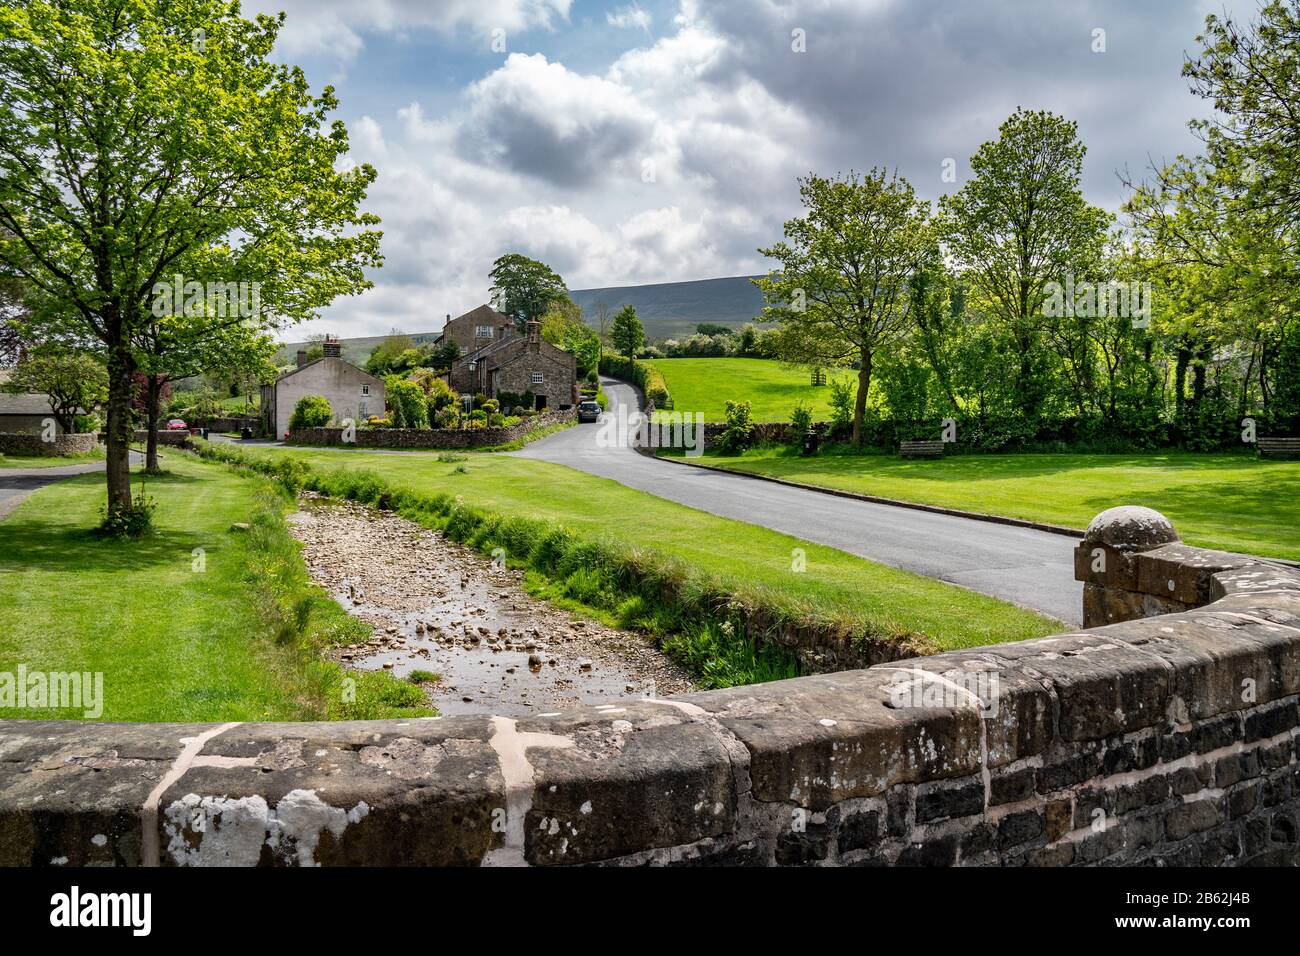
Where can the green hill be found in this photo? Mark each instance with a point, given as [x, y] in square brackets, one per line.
[670, 309]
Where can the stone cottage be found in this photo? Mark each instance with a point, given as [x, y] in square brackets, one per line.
[477, 328]
[351, 392]
[516, 363]
[25, 413]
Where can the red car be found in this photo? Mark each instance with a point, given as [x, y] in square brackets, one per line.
[177, 424]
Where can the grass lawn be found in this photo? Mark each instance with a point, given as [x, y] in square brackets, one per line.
[707, 384]
[1231, 502]
[173, 643]
[43, 461]
[835, 583]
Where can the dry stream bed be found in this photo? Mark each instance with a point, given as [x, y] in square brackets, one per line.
[437, 606]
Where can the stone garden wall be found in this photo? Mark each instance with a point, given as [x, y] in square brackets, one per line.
[1153, 740]
[180, 437]
[432, 437]
[12, 443]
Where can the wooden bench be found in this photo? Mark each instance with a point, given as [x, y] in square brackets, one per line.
[921, 449]
[1279, 447]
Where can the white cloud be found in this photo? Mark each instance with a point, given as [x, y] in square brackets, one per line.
[542, 119]
[337, 27]
[629, 18]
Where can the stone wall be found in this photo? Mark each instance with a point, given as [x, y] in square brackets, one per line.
[13, 443]
[1165, 740]
[178, 437]
[232, 423]
[432, 437]
[764, 432]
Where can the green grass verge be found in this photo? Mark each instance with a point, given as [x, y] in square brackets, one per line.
[672, 563]
[43, 461]
[194, 622]
[1233, 502]
[707, 384]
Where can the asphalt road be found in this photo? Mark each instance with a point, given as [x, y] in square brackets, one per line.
[1022, 565]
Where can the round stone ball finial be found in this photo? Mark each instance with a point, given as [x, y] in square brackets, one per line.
[1131, 528]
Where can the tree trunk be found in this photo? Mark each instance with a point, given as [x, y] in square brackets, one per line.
[121, 389]
[152, 401]
[860, 403]
[1184, 356]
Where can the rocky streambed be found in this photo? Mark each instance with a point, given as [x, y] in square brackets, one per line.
[437, 606]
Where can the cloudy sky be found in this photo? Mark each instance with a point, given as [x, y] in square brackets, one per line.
[660, 140]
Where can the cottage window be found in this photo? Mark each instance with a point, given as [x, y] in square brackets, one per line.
[482, 331]
[365, 389]
[537, 378]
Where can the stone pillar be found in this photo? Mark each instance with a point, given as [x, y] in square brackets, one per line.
[1106, 561]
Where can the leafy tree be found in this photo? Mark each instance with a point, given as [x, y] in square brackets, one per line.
[312, 411]
[583, 344]
[840, 292]
[525, 288]
[73, 381]
[443, 357]
[1019, 223]
[626, 333]
[406, 403]
[1220, 231]
[712, 328]
[387, 356]
[144, 145]
[562, 315]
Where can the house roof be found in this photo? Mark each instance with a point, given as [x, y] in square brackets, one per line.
[485, 313]
[327, 358]
[24, 403]
[550, 350]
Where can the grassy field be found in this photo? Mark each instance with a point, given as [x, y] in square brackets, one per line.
[179, 633]
[1231, 502]
[834, 583]
[707, 384]
[42, 461]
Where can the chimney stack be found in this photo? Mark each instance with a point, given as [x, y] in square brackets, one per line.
[331, 348]
[534, 335]
[302, 358]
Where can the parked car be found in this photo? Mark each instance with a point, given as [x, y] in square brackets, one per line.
[176, 424]
[588, 411]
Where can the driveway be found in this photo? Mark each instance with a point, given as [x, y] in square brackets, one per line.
[1028, 567]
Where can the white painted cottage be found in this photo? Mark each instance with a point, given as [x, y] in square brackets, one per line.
[351, 392]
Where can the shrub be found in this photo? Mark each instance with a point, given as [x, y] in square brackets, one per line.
[136, 522]
[496, 420]
[800, 423]
[739, 433]
[406, 403]
[842, 396]
[312, 411]
[438, 395]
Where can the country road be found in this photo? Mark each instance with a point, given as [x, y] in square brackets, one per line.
[1025, 566]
